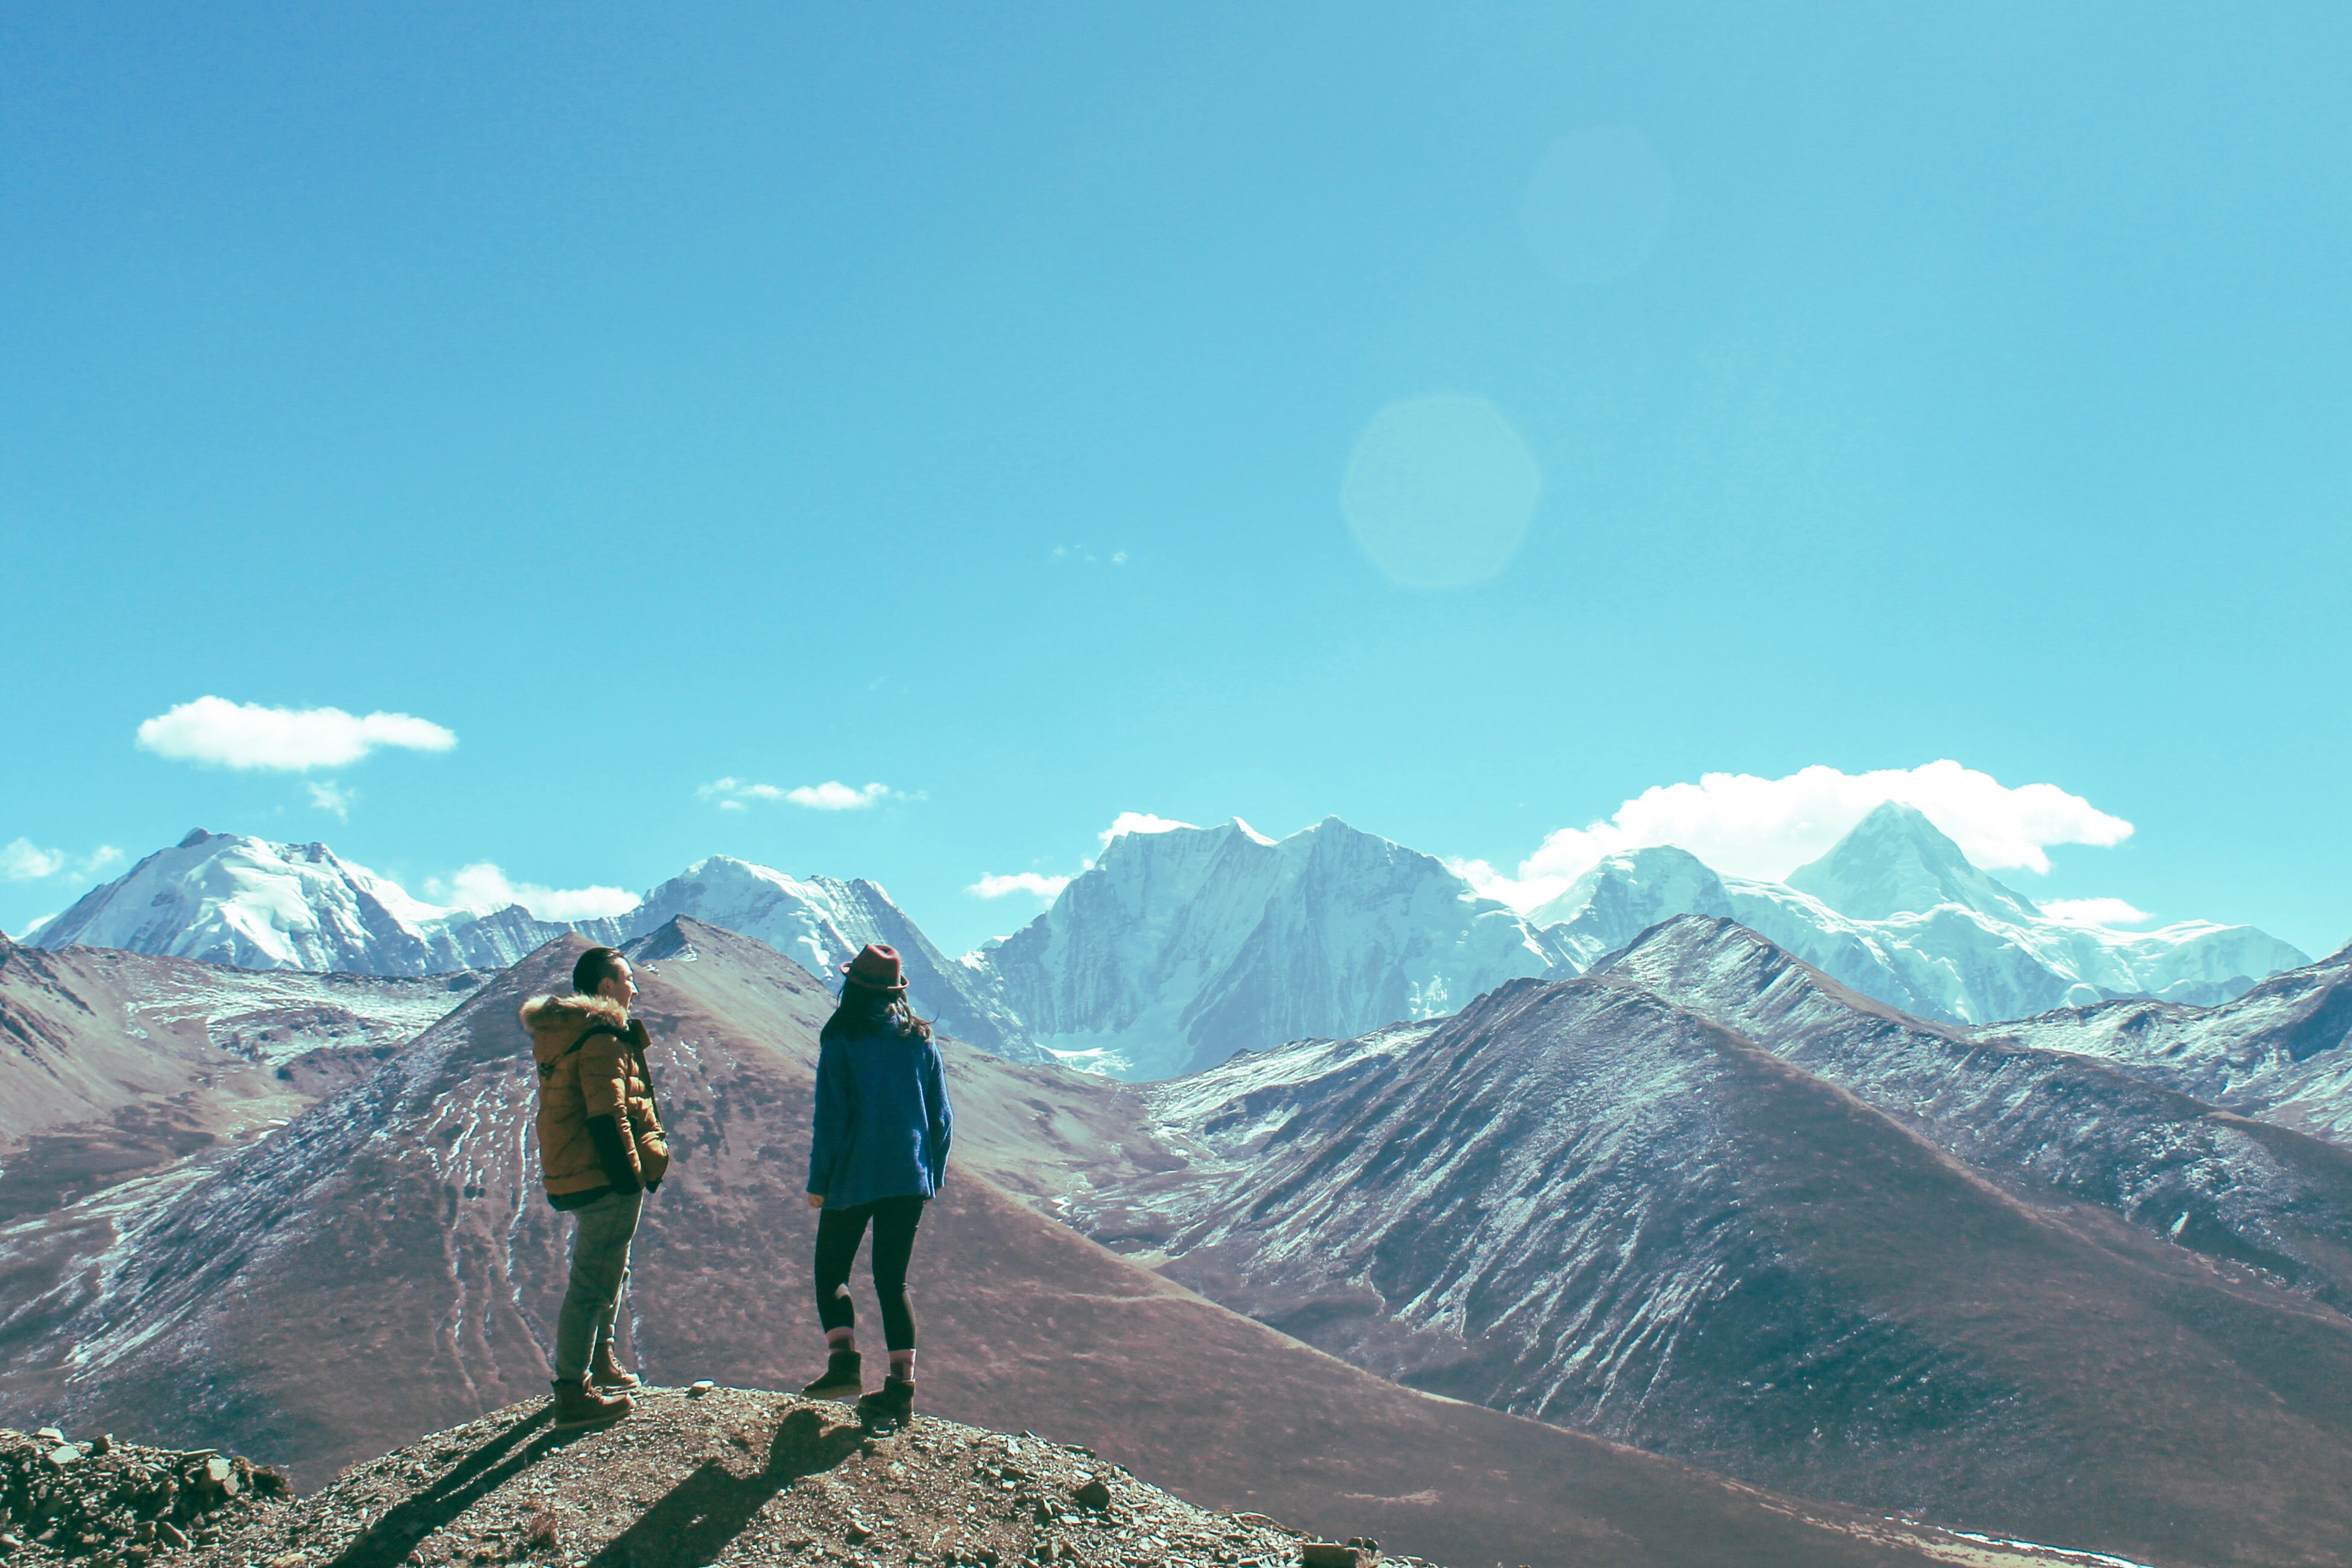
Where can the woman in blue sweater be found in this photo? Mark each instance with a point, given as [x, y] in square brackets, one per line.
[878, 1151]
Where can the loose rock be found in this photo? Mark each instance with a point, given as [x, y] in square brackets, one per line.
[797, 1480]
[116, 1503]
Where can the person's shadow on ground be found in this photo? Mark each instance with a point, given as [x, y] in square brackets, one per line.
[692, 1524]
[390, 1540]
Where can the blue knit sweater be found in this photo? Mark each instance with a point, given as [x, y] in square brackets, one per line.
[883, 1120]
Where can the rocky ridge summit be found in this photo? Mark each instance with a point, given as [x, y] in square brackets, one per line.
[711, 1475]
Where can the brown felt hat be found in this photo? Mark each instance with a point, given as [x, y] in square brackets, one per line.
[876, 968]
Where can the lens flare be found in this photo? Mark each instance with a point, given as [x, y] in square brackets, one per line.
[1439, 491]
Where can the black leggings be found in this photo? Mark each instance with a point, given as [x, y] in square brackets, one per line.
[838, 1232]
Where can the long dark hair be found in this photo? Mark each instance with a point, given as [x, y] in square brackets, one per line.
[865, 1010]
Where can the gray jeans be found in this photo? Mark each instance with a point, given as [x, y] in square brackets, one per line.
[600, 1273]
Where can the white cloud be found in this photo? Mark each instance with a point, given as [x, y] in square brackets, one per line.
[21, 860]
[834, 796]
[2094, 912]
[33, 928]
[483, 886]
[1139, 823]
[24, 860]
[1767, 828]
[735, 794]
[1020, 882]
[333, 797]
[293, 740]
[736, 791]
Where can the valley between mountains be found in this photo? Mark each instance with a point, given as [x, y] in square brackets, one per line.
[1597, 1238]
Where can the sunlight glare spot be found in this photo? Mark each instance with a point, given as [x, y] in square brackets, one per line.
[1439, 491]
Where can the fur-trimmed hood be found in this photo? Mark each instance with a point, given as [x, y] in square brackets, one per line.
[554, 1023]
[603, 1080]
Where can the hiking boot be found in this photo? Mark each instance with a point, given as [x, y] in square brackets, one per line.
[893, 1401]
[844, 1375]
[577, 1405]
[603, 1371]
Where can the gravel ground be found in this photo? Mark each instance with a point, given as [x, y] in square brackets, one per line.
[103, 1503]
[734, 1476]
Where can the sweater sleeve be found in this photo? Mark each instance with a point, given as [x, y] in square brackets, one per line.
[942, 1114]
[829, 1128]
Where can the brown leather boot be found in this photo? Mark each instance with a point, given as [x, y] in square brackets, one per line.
[893, 1401]
[577, 1405]
[603, 1371]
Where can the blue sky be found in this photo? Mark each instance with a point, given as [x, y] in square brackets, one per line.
[961, 400]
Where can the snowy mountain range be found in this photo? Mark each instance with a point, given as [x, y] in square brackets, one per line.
[1178, 948]
[251, 904]
[1898, 912]
[2277, 1053]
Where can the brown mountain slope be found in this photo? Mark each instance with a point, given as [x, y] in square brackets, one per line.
[2041, 1120]
[113, 1062]
[1582, 1201]
[384, 1267]
[89, 1029]
[2279, 1051]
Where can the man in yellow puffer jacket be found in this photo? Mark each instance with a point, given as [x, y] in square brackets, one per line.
[601, 1149]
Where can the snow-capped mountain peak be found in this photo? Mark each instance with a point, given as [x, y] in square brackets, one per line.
[1182, 946]
[1895, 861]
[254, 904]
[820, 922]
[800, 918]
[1630, 892]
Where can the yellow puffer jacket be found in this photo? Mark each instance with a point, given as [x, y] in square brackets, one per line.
[606, 1076]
